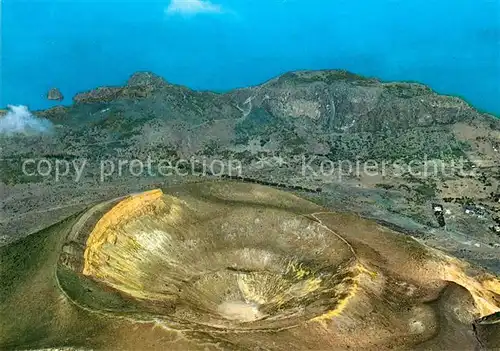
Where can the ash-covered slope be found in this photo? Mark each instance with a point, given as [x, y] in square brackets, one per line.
[333, 113]
[234, 266]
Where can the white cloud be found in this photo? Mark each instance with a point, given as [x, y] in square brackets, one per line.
[192, 7]
[19, 120]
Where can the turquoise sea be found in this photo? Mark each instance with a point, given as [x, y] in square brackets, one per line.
[451, 45]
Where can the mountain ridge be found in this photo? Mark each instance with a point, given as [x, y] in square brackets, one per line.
[299, 121]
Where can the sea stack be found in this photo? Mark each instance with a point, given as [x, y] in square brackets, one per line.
[55, 94]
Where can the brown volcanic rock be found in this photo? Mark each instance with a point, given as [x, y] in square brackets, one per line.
[146, 78]
[55, 94]
[102, 94]
[140, 85]
[241, 267]
[331, 115]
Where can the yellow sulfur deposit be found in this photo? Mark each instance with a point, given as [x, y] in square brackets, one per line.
[265, 268]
